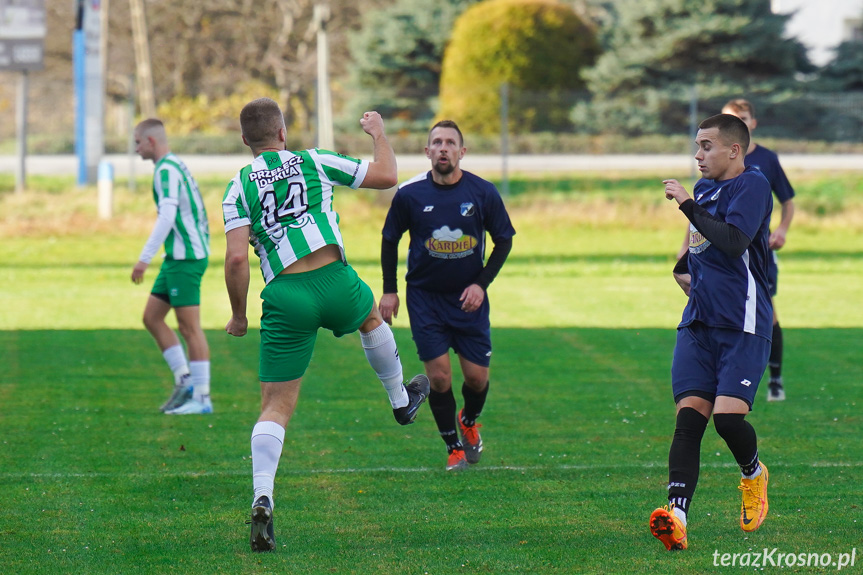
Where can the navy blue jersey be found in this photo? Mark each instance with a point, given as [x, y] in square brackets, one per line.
[447, 226]
[767, 162]
[732, 292]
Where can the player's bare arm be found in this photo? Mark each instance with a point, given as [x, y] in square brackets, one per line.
[472, 297]
[684, 247]
[237, 279]
[674, 190]
[138, 272]
[383, 170]
[684, 281]
[389, 307]
[373, 124]
[777, 238]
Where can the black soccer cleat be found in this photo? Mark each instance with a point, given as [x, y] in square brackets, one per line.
[418, 391]
[262, 537]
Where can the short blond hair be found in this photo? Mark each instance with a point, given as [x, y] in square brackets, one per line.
[152, 127]
[738, 105]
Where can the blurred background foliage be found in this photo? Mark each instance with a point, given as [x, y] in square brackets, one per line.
[583, 76]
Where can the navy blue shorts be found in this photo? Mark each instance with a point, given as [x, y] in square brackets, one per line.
[772, 272]
[438, 324]
[711, 361]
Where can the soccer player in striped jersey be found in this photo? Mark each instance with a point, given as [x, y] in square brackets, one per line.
[282, 203]
[768, 163]
[182, 229]
[723, 340]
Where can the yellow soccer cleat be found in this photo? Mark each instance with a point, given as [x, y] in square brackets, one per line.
[754, 508]
[665, 526]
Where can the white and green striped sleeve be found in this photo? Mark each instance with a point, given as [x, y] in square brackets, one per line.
[235, 209]
[342, 170]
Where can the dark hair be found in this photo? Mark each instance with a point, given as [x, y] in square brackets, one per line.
[448, 124]
[732, 130]
[740, 105]
[260, 121]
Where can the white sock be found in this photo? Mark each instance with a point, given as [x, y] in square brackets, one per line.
[383, 355]
[755, 474]
[680, 514]
[267, 440]
[175, 357]
[199, 372]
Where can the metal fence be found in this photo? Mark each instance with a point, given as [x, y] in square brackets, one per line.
[558, 125]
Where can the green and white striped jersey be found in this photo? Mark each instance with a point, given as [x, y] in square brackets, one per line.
[189, 238]
[287, 199]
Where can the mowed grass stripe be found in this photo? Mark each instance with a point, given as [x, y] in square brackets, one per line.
[575, 450]
[777, 464]
[94, 480]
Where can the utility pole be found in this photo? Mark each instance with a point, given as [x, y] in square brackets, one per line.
[22, 47]
[103, 45]
[142, 59]
[21, 124]
[325, 107]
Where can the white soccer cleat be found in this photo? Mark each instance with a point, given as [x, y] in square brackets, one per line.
[776, 393]
[193, 407]
[181, 394]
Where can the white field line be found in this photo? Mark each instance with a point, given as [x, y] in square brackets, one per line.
[407, 470]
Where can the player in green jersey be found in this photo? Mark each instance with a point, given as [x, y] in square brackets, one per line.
[182, 229]
[282, 203]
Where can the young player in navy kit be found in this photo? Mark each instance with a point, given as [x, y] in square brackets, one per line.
[723, 340]
[768, 163]
[447, 212]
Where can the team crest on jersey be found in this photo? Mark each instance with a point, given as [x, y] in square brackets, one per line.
[713, 198]
[467, 209]
[697, 242]
[450, 244]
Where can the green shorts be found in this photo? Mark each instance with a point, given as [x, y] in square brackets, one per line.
[179, 282]
[296, 305]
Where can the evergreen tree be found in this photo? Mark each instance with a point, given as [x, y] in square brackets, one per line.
[397, 57]
[839, 88]
[659, 50]
[845, 71]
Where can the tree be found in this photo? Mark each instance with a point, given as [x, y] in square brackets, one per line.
[202, 51]
[532, 46]
[397, 55]
[659, 49]
[845, 71]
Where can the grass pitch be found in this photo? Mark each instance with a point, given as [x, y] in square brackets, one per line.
[93, 479]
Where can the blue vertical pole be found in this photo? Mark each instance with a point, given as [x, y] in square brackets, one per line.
[79, 53]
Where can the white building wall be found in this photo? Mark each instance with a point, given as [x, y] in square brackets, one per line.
[821, 25]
